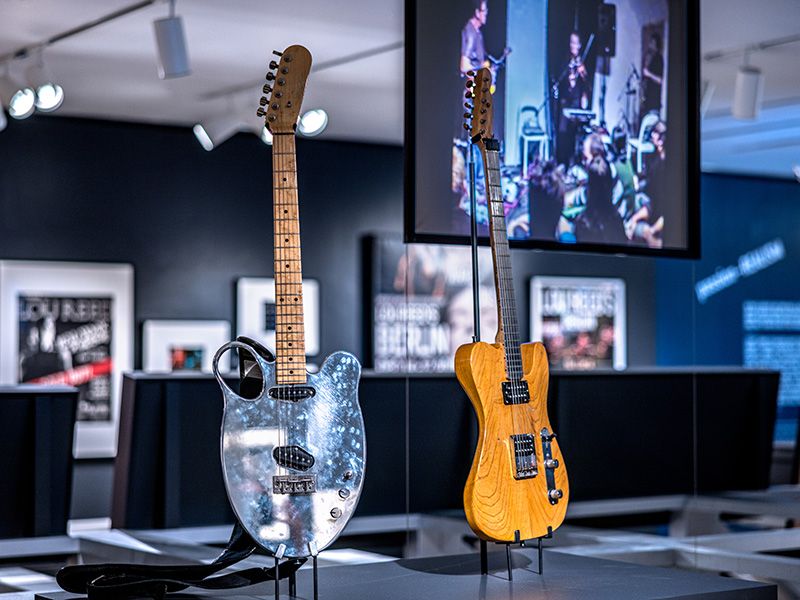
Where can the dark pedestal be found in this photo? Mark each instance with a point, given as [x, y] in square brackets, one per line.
[566, 577]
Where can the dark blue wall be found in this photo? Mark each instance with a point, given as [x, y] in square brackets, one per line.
[739, 214]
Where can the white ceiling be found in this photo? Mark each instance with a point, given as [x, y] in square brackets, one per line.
[771, 144]
[110, 72]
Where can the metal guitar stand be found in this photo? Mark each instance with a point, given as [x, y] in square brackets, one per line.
[522, 544]
[473, 203]
[293, 579]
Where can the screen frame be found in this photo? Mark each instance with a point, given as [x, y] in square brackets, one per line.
[691, 22]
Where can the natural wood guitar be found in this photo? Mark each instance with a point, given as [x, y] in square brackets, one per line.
[517, 488]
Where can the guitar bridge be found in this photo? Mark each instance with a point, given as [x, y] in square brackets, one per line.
[524, 456]
[294, 485]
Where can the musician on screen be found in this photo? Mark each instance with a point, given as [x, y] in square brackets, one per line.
[573, 92]
[473, 50]
[653, 72]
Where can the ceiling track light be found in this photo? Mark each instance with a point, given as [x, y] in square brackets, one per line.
[173, 59]
[19, 99]
[747, 91]
[211, 133]
[312, 123]
[49, 95]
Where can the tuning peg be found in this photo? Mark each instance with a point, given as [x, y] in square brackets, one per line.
[468, 105]
[276, 53]
[469, 95]
[470, 84]
[483, 121]
[273, 65]
[270, 77]
[267, 88]
[470, 73]
[260, 112]
[466, 127]
[467, 115]
[263, 101]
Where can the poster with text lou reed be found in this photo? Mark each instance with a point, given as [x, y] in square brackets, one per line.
[67, 341]
[70, 323]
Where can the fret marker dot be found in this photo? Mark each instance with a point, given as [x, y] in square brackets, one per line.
[290, 372]
[285, 211]
[287, 266]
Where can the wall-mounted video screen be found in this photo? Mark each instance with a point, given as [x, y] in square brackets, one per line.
[595, 110]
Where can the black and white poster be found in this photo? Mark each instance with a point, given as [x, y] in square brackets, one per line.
[66, 323]
[67, 341]
[422, 307]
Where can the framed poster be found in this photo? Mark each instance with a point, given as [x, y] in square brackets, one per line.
[255, 311]
[580, 320]
[421, 312]
[182, 346]
[65, 323]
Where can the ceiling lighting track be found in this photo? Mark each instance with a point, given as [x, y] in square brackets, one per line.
[740, 50]
[245, 87]
[25, 51]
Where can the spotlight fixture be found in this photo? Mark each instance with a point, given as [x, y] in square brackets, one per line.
[747, 92]
[173, 60]
[266, 136]
[706, 93]
[19, 99]
[49, 94]
[312, 123]
[213, 132]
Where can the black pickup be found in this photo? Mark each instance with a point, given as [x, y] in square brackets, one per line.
[292, 393]
[293, 457]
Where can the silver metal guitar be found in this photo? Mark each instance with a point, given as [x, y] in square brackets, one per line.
[294, 457]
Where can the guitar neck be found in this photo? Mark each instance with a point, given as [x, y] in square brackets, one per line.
[289, 326]
[508, 329]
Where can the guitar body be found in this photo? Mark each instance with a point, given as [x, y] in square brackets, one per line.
[499, 506]
[272, 501]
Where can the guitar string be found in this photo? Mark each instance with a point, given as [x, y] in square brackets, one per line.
[508, 305]
[500, 250]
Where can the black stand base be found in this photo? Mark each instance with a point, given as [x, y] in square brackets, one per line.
[293, 579]
[522, 544]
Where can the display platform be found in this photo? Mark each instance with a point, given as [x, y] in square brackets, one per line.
[565, 577]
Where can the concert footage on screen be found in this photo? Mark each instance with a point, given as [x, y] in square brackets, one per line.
[591, 111]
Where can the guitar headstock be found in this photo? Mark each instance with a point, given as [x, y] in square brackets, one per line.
[479, 104]
[283, 92]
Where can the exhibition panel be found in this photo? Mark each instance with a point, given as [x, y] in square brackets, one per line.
[431, 301]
